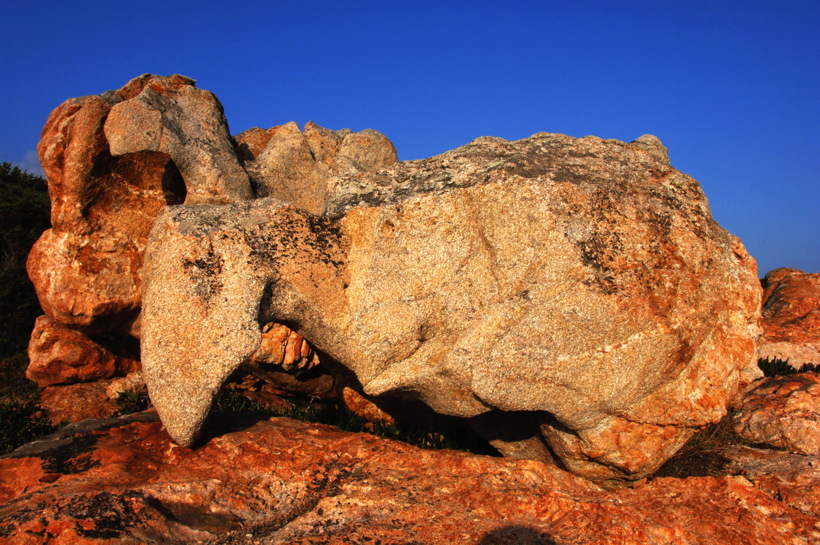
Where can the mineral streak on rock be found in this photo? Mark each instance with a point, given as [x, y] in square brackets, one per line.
[581, 280]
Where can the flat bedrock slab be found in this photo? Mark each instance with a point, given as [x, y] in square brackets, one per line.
[280, 481]
[783, 412]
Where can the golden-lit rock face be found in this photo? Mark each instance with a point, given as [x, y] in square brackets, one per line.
[287, 482]
[61, 355]
[580, 280]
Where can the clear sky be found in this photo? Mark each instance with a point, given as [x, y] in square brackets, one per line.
[732, 88]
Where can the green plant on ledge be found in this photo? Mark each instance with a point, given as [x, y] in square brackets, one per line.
[132, 402]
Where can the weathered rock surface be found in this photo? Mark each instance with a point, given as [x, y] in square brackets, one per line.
[580, 281]
[77, 402]
[293, 166]
[61, 355]
[281, 481]
[783, 412]
[791, 317]
[171, 116]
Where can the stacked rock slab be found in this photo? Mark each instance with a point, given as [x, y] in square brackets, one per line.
[85, 269]
[113, 162]
[576, 290]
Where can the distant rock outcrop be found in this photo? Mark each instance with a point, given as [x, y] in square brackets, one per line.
[293, 166]
[791, 317]
[783, 412]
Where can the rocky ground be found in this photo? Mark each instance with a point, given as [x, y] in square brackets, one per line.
[279, 480]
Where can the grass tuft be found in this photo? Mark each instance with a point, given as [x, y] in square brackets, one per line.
[775, 367]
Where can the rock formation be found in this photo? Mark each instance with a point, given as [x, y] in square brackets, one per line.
[62, 355]
[578, 280]
[783, 412]
[791, 317]
[113, 161]
[568, 297]
[280, 481]
[294, 166]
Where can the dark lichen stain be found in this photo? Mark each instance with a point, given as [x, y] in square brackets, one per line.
[205, 273]
[298, 236]
[74, 456]
[111, 514]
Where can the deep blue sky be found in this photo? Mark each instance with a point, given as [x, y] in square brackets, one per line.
[731, 88]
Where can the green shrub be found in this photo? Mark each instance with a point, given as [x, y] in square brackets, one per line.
[132, 402]
[20, 423]
[24, 215]
[13, 381]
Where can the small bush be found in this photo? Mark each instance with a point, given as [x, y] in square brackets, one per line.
[13, 381]
[702, 455]
[337, 415]
[230, 400]
[132, 402]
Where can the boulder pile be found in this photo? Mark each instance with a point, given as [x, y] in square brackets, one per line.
[572, 299]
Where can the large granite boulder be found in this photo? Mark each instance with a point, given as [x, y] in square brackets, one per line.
[791, 317]
[86, 267]
[571, 297]
[280, 481]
